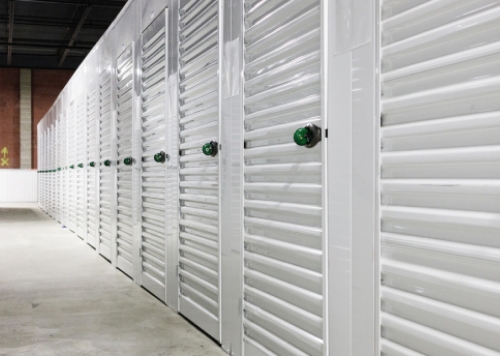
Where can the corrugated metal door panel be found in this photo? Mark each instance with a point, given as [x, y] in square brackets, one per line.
[70, 167]
[440, 181]
[124, 239]
[153, 237]
[283, 238]
[199, 173]
[105, 172]
[58, 172]
[63, 172]
[81, 157]
[91, 171]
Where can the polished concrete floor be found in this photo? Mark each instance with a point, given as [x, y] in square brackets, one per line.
[59, 298]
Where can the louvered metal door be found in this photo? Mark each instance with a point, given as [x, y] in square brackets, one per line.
[440, 171]
[283, 195]
[72, 190]
[124, 92]
[199, 174]
[59, 180]
[105, 170]
[53, 172]
[63, 163]
[51, 164]
[153, 238]
[91, 166]
[80, 161]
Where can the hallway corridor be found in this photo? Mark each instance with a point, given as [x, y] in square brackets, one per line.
[58, 297]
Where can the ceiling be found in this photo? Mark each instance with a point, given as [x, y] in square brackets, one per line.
[52, 33]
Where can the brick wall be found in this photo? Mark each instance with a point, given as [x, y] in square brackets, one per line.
[9, 117]
[46, 84]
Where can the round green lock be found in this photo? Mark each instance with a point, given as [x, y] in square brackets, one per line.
[302, 136]
[128, 161]
[210, 148]
[80, 165]
[308, 136]
[92, 164]
[58, 168]
[159, 157]
[107, 163]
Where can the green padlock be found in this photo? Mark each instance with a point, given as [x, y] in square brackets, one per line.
[107, 163]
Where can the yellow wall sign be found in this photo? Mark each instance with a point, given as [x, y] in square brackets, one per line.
[4, 160]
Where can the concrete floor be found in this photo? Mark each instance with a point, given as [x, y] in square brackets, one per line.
[58, 297]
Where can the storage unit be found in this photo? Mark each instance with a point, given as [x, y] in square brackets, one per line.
[124, 239]
[283, 227]
[106, 165]
[71, 167]
[199, 256]
[440, 222]
[92, 164]
[153, 158]
[297, 177]
[79, 164]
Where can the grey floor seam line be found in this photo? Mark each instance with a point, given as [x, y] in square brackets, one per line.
[58, 297]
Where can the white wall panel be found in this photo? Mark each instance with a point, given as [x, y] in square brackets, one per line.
[18, 186]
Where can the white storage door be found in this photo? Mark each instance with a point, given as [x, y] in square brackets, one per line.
[63, 172]
[440, 171]
[124, 92]
[91, 166]
[153, 238]
[72, 189]
[105, 165]
[59, 173]
[199, 173]
[50, 149]
[283, 194]
[53, 170]
[81, 153]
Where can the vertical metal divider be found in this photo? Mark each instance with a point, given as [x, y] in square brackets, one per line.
[231, 176]
[326, 31]
[378, 218]
[168, 284]
[137, 158]
[114, 158]
[172, 165]
[219, 159]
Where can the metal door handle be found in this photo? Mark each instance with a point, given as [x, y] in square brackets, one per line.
[308, 135]
[128, 161]
[210, 148]
[159, 157]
